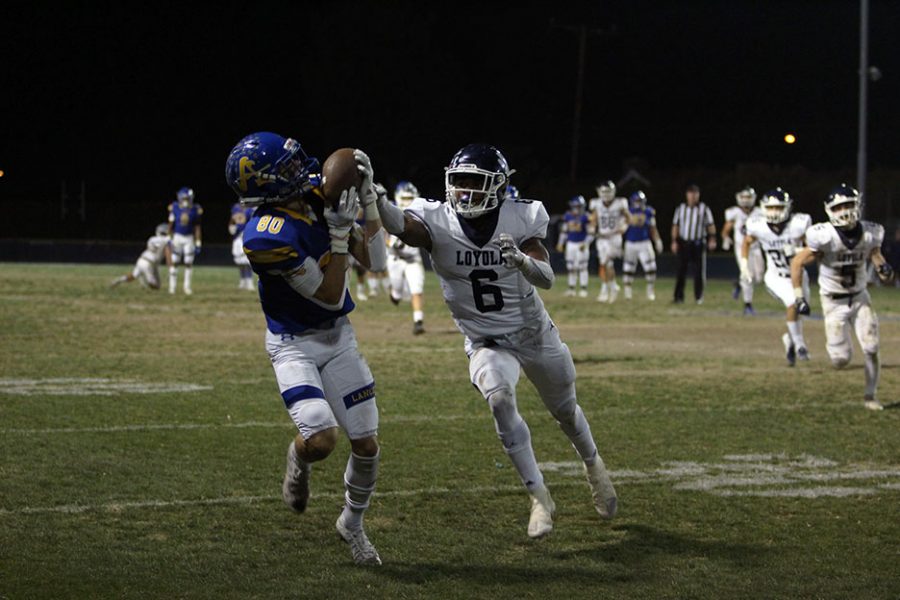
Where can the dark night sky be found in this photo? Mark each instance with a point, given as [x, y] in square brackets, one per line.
[142, 101]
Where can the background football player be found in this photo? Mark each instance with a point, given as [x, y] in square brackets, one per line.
[609, 219]
[780, 234]
[405, 267]
[573, 240]
[842, 246]
[487, 252]
[239, 217]
[736, 225]
[146, 269]
[641, 238]
[184, 229]
[298, 246]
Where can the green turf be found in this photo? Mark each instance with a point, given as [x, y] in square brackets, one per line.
[185, 502]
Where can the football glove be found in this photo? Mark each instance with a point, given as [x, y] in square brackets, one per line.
[368, 193]
[512, 256]
[340, 219]
[197, 247]
[802, 306]
[657, 243]
[726, 244]
[885, 272]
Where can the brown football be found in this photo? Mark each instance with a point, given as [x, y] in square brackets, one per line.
[339, 173]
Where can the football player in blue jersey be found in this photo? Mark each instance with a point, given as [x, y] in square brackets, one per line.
[573, 239]
[638, 237]
[184, 229]
[239, 217]
[298, 244]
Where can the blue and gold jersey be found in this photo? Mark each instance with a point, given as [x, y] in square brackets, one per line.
[184, 218]
[641, 221]
[239, 216]
[277, 240]
[576, 227]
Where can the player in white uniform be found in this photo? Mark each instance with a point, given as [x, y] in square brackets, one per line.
[780, 234]
[575, 241]
[609, 219]
[146, 269]
[488, 254]
[405, 268]
[736, 223]
[842, 247]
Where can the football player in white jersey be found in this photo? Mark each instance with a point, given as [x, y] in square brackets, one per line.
[609, 220]
[146, 269]
[842, 247]
[736, 223]
[405, 268]
[780, 234]
[487, 251]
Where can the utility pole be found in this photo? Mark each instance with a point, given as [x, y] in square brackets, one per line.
[582, 31]
[863, 97]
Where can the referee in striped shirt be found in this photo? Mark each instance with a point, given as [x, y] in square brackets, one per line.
[693, 232]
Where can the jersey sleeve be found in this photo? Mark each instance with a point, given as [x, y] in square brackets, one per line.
[754, 225]
[805, 222]
[877, 235]
[818, 237]
[731, 214]
[273, 252]
[536, 220]
[423, 210]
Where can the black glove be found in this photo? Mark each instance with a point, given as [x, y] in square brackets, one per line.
[802, 306]
[885, 272]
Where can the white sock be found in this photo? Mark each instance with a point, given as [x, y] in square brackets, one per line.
[188, 275]
[418, 315]
[386, 284]
[572, 276]
[517, 444]
[873, 370]
[604, 287]
[583, 277]
[795, 328]
[747, 291]
[359, 481]
[579, 433]
[373, 285]
[173, 279]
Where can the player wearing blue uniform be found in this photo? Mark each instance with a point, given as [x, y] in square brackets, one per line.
[298, 245]
[573, 240]
[236, 224]
[641, 238]
[185, 231]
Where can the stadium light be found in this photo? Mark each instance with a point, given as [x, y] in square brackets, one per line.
[2, 173]
[790, 138]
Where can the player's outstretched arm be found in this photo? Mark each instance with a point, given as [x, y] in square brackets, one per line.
[802, 258]
[397, 222]
[882, 267]
[369, 246]
[744, 260]
[726, 235]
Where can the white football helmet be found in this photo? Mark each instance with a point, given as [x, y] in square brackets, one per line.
[606, 191]
[162, 229]
[776, 206]
[405, 193]
[746, 198]
[842, 206]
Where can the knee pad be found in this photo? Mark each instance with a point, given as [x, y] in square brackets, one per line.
[503, 406]
[312, 417]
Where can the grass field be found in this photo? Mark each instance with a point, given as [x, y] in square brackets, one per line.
[142, 443]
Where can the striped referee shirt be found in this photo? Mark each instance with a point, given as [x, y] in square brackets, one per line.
[692, 221]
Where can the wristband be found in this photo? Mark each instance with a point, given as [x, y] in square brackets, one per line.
[798, 293]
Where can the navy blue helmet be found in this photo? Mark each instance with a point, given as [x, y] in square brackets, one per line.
[476, 180]
[776, 206]
[638, 200]
[266, 167]
[185, 196]
[843, 206]
[577, 204]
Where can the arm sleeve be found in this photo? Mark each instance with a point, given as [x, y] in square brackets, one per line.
[305, 279]
[377, 252]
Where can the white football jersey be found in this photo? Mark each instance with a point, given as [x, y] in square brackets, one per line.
[398, 249]
[611, 219]
[737, 214]
[773, 243]
[156, 247]
[842, 267]
[486, 298]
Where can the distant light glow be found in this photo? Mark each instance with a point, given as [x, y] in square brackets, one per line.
[790, 138]
[2, 173]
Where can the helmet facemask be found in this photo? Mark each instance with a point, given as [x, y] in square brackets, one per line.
[185, 197]
[473, 192]
[843, 211]
[775, 210]
[746, 198]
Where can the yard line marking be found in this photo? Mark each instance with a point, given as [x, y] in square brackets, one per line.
[92, 386]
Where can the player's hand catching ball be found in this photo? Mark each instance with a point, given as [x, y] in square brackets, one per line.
[341, 218]
[512, 256]
[367, 192]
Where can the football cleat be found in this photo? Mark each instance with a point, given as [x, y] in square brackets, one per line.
[651, 295]
[602, 490]
[748, 310]
[418, 328]
[873, 404]
[569, 293]
[364, 553]
[583, 294]
[543, 509]
[735, 291]
[295, 488]
[603, 296]
[789, 352]
[802, 354]
[627, 292]
[613, 293]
